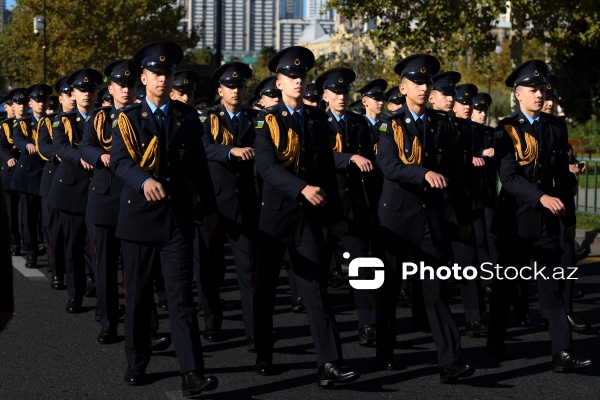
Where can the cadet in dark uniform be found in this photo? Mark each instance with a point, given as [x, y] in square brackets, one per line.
[9, 155]
[463, 251]
[357, 107]
[54, 235]
[417, 160]
[28, 175]
[184, 86]
[105, 99]
[69, 192]
[394, 99]
[532, 160]
[354, 158]
[312, 96]
[267, 92]
[157, 154]
[485, 180]
[102, 211]
[7, 303]
[373, 96]
[53, 105]
[295, 161]
[229, 143]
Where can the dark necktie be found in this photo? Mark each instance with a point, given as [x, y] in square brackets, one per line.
[536, 127]
[236, 125]
[159, 120]
[298, 120]
[343, 124]
[421, 125]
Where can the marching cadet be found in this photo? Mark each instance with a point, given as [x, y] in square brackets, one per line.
[104, 99]
[312, 96]
[295, 160]
[184, 86]
[9, 155]
[394, 99]
[486, 176]
[462, 250]
[354, 158]
[254, 103]
[105, 188]
[28, 174]
[69, 192]
[532, 160]
[357, 107]
[52, 229]
[266, 91]
[53, 105]
[157, 154]
[569, 256]
[417, 161]
[373, 96]
[228, 137]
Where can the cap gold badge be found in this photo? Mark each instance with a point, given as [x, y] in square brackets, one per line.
[185, 81]
[127, 72]
[41, 92]
[341, 80]
[482, 101]
[234, 75]
[536, 73]
[297, 61]
[316, 92]
[162, 58]
[423, 70]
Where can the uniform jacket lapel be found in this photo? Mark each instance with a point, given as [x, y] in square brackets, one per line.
[175, 121]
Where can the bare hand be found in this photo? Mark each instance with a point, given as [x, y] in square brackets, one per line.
[245, 153]
[86, 166]
[12, 162]
[465, 231]
[315, 195]
[31, 149]
[488, 152]
[478, 162]
[105, 158]
[553, 204]
[5, 317]
[154, 191]
[340, 229]
[574, 169]
[435, 180]
[210, 223]
[364, 164]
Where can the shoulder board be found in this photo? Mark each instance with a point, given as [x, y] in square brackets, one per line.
[69, 114]
[131, 107]
[268, 110]
[105, 108]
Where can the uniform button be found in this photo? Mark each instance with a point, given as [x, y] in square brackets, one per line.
[304, 149]
[301, 204]
[143, 144]
[237, 191]
[263, 203]
[168, 164]
[539, 182]
[60, 180]
[425, 189]
[347, 175]
[424, 205]
[385, 204]
[169, 197]
[93, 188]
[49, 172]
[239, 144]
[128, 201]
[347, 189]
[22, 167]
[169, 179]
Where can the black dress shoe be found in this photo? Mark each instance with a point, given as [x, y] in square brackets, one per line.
[331, 373]
[73, 306]
[213, 335]
[498, 351]
[250, 341]
[57, 283]
[367, 335]
[451, 372]
[107, 336]
[297, 306]
[160, 342]
[15, 249]
[477, 328]
[121, 313]
[582, 253]
[576, 325]
[193, 383]
[404, 298]
[90, 287]
[42, 250]
[135, 377]
[387, 363]
[264, 369]
[31, 259]
[567, 361]
[338, 278]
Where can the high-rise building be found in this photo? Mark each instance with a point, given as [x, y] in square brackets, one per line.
[247, 25]
[317, 9]
[291, 9]
[290, 31]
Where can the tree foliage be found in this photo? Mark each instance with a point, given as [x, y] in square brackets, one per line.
[82, 34]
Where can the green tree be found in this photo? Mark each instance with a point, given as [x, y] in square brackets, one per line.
[201, 56]
[83, 34]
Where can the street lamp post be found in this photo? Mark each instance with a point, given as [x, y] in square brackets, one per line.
[39, 24]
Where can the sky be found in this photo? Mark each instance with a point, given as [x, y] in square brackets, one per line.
[10, 4]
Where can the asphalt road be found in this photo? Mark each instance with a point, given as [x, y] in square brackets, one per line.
[46, 353]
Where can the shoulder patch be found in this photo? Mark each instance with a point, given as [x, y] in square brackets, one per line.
[383, 127]
[498, 134]
[259, 124]
[55, 124]
[202, 118]
[115, 123]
